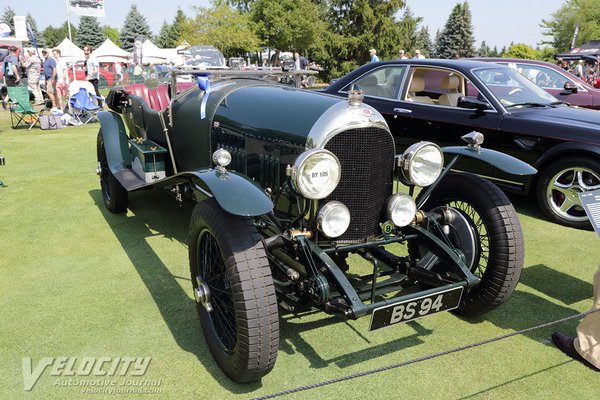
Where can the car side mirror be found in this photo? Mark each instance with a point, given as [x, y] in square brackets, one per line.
[472, 103]
[570, 87]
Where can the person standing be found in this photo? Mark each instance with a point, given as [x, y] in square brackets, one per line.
[50, 76]
[402, 55]
[10, 68]
[300, 63]
[62, 80]
[585, 347]
[373, 55]
[418, 54]
[92, 70]
[119, 72]
[33, 67]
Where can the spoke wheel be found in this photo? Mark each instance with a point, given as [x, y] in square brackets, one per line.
[559, 187]
[114, 195]
[234, 292]
[498, 254]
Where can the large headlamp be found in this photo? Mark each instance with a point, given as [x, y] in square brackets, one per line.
[316, 173]
[421, 163]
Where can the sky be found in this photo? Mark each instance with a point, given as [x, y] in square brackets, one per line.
[498, 22]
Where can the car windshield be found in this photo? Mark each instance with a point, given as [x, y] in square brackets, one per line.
[204, 57]
[513, 89]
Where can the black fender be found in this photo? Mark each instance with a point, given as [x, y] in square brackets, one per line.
[503, 162]
[116, 142]
[236, 193]
[569, 147]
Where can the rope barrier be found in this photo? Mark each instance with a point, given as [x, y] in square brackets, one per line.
[424, 358]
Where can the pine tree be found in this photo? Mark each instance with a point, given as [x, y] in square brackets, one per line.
[177, 29]
[89, 32]
[135, 25]
[8, 18]
[457, 38]
[53, 36]
[407, 39]
[39, 38]
[163, 39]
[484, 50]
[423, 42]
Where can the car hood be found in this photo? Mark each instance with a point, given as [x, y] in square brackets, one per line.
[567, 123]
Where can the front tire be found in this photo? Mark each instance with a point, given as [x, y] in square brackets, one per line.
[499, 254]
[228, 261]
[114, 195]
[558, 189]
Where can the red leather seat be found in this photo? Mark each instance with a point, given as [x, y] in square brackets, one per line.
[157, 99]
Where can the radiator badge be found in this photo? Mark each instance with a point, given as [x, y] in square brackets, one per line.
[387, 227]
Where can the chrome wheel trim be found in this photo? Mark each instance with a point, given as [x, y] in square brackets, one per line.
[562, 192]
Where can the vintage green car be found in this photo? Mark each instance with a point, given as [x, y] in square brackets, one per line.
[288, 183]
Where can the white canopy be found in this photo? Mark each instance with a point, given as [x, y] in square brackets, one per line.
[110, 52]
[152, 54]
[70, 52]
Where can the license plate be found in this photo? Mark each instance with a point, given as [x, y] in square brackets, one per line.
[408, 310]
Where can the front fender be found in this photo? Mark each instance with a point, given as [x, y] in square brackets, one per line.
[115, 141]
[503, 162]
[236, 193]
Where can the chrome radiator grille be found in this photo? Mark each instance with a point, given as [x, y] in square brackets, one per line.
[367, 159]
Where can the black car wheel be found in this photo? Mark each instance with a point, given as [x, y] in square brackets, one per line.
[496, 254]
[234, 292]
[113, 193]
[559, 186]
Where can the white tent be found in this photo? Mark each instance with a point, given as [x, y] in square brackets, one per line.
[69, 51]
[152, 54]
[110, 52]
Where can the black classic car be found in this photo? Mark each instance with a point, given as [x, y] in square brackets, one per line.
[289, 183]
[441, 100]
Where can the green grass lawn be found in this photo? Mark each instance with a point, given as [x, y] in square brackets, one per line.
[78, 281]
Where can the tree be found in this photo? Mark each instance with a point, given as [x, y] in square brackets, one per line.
[135, 25]
[176, 29]
[484, 50]
[7, 17]
[354, 28]
[223, 27]
[457, 36]
[89, 32]
[408, 30]
[522, 51]
[164, 36]
[423, 42]
[112, 33]
[53, 36]
[288, 24]
[39, 39]
[561, 26]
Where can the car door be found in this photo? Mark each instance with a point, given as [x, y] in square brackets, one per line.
[428, 110]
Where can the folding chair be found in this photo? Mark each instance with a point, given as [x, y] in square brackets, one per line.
[83, 102]
[21, 111]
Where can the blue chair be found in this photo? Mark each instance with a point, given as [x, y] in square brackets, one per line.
[82, 106]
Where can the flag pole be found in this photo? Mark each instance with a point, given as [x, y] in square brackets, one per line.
[70, 40]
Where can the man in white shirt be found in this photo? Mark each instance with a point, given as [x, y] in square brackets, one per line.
[92, 69]
[62, 80]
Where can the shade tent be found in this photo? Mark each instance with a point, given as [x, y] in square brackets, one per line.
[110, 52]
[587, 51]
[70, 52]
[152, 54]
